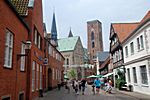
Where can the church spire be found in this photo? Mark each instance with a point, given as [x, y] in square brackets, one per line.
[70, 33]
[54, 29]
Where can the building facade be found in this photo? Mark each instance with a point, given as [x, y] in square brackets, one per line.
[13, 66]
[95, 39]
[23, 72]
[73, 52]
[136, 50]
[118, 32]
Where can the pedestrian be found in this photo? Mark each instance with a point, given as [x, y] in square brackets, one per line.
[76, 84]
[59, 85]
[83, 85]
[97, 85]
[80, 85]
[108, 86]
[93, 87]
[67, 86]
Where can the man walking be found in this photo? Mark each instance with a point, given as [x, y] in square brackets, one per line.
[97, 83]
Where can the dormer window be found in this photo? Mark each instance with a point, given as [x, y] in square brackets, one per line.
[31, 3]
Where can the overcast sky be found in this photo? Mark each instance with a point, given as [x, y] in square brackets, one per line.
[76, 13]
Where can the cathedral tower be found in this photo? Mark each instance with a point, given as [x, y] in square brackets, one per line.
[95, 40]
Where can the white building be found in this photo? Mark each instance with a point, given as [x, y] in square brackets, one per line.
[136, 51]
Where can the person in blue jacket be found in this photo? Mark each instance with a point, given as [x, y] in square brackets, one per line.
[97, 83]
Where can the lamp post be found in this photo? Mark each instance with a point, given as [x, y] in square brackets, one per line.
[27, 64]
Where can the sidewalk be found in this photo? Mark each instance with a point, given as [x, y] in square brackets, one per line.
[137, 95]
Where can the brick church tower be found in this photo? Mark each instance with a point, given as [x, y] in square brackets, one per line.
[95, 39]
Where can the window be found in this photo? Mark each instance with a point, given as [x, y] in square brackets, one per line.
[128, 71]
[92, 35]
[134, 75]
[37, 77]
[33, 75]
[40, 76]
[31, 3]
[141, 42]
[67, 61]
[132, 47]
[144, 74]
[21, 96]
[8, 49]
[37, 39]
[35, 36]
[126, 51]
[6, 98]
[22, 66]
[93, 44]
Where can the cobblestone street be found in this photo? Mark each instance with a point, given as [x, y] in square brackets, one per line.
[63, 95]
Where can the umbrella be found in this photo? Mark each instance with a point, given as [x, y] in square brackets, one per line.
[99, 76]
[92, 76]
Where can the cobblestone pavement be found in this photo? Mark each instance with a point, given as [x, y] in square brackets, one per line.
[63, 95]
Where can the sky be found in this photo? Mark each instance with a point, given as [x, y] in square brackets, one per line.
[76, 13]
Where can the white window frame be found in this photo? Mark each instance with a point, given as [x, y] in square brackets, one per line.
[37, 76]
[22, 64]
[39, 41]
[126, 51]
[35, 36]
[33, 76]
[8, 49]
[41, 78]
[132, 48]
[142, 73]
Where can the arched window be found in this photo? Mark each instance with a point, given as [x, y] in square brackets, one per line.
[93, 44]
[67, 61]
[92, 35]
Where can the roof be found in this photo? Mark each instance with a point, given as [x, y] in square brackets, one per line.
[21, 6]
[54, 28]
[123, 30]
[93, 21]
[145, 19]
[102, 56]
[67, 44]
[70, 33]
[147, 16]
[107, 61]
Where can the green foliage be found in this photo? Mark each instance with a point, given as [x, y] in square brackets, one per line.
[72, 73]
[120, 83]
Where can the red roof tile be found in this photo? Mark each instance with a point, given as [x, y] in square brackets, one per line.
[147, 16]
[123, 30]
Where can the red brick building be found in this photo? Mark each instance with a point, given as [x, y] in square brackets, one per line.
[14, 34]
[22, 72]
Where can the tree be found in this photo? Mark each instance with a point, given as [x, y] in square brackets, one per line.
[72, 73]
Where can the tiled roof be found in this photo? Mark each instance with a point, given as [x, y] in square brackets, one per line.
[102, 56]
[21, 6]
[142, 22]
[67, 44]
[147, 16]
[123, 30]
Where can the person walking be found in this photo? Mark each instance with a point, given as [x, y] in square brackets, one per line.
[67, 86]
[76, 84]
[83, 84]
[97, 85]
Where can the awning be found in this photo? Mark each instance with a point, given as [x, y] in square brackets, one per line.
[108, 74]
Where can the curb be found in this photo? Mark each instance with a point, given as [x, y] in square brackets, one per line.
[140, 98]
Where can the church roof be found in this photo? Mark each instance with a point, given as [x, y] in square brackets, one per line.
[70, 33]
[54, 29]
[67, 44]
